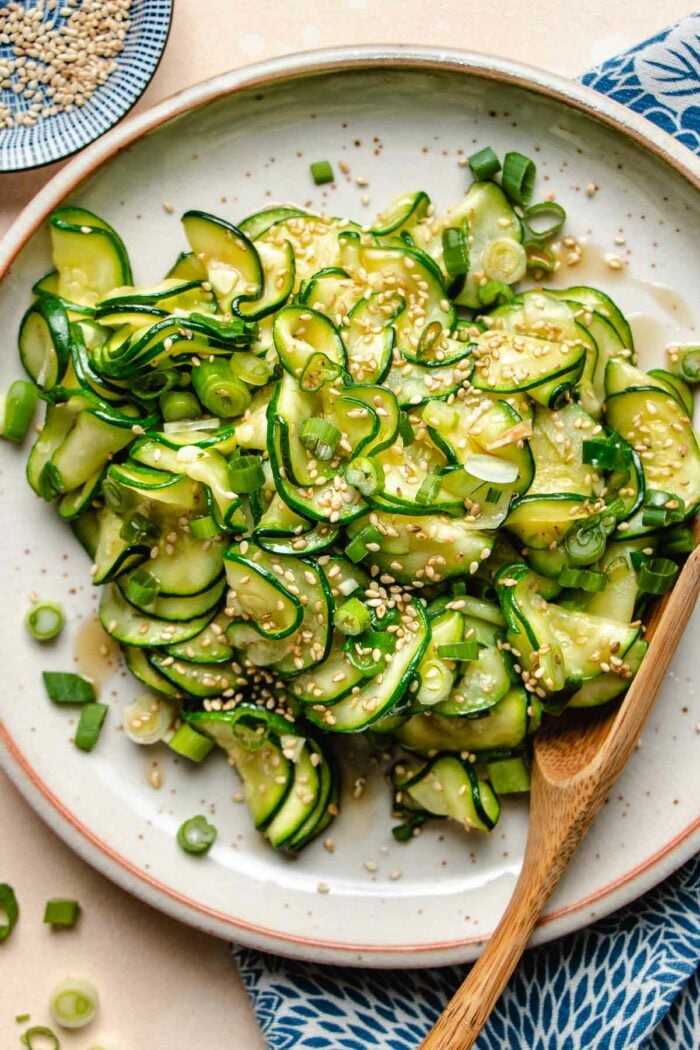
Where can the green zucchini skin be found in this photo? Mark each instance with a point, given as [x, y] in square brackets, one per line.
[430, 521]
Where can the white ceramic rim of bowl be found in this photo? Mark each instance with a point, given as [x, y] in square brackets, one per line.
[80, 838]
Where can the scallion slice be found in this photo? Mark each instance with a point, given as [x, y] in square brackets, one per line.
[495, 293]
[539, 257]
[245, 474]
[518, 178]
[35, 1038]
[365, 474]
[352, 617]
[321, 172]
[20, 406]
[45, 620]
[484, 164]
[428, 489]
[468, 650]
[60, 912]
[679, 540]
[250, 369]
[684, 361]
[585, 543]
[178, 405]
[504, 260]
[318, 370]
[605, 454]
[10, 908]
[219, 390]
[142, 587]
[66, 687]
[544, 220]
[357, 548]
[657, 575]
[196, 835]
[662, 508]
[139, 529]
[455, 251]
[154, 384]
[187, 742]
[319, 437]
[90, 724]
[585, 579]
[148, 719]
[74, 1003]
[203, 528]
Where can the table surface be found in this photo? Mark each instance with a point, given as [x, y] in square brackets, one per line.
[162, 984]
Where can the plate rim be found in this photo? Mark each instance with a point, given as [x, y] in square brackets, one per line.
[49, 807]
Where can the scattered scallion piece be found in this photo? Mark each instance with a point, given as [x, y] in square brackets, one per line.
[74, 1003]
[539, 257]
[148, 719]
[504, 260]
[684, 361]
[219, 390]
[495, 293]
[544, 220]
[66, 687]
[352, 617]
[60, 912]
[141, 587]
[45, 620]
[154, 384]
[468, 650]
[661, 509]
[322, 172]
[585, 544]
[484, 164]
[656, 575]
[605, 454]
[492, 495]
[10, 908]
[187, 742]
[179, 404]
[35, 1038]
[679, 540]
[245, 474]
[90, 724]
[20, 406]
[139, 529]
[428, 489]
[357, 548]
[585, 579]
[203, 528]
[455, 251]
[320, 438]
[196, 835]
[518, 179]
[318, 370]
[365, 474]
[21, 1018]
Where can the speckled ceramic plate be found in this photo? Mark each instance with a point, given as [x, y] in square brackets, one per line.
[399, 119]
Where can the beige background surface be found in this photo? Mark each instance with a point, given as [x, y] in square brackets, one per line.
[163, 986]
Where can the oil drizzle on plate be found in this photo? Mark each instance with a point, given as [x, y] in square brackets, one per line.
[95, 654]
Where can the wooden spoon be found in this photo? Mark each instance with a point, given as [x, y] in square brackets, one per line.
[577, 761]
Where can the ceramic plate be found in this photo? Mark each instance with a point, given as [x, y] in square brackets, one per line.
[400, 120]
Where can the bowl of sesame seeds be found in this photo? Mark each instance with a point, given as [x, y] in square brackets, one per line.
[70, 69]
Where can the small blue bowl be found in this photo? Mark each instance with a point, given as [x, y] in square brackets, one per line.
[53, 138]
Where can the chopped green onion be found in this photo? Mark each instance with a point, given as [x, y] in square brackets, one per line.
[21, 1018]
[219, 390]
[138, 529]
[585, 544]
[251, 369]
[187, 742]
[539, 257]
[154, 384]
[65, 687]
[544, 220]
[494, 293]
[45, 620]
[684, 361]
[148, 719]
[321, 172]
[406, 430]
[678, 540]
[586, 579]
[178, 405]
[504, 260]
[468, 650]
[357, 548]
[141, 587]
[484, 164]
[319, 437]
[318, 370]
[74, 1003]
[605, 454]
[518, 178]
[196, 835]
[429, 340]
[203, 528]
[42, 1033]
[10, 908]
[352, 617]
[60, 912]
[92, 717]
[367, 653]
[654, 517]
[492, 495]
[662, 508]
[365, 474]
[428, 489]
[407, 831]
[455, 251]
[245, 474]
[656, 575]
[20, 406]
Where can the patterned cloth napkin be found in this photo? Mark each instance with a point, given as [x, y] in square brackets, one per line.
[630, 982]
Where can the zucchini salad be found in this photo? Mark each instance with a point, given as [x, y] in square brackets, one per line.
[338, 479]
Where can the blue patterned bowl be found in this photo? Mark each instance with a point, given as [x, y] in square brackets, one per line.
[55, 137]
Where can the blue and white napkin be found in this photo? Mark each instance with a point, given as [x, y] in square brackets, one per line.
[631, 982]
